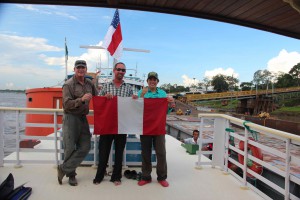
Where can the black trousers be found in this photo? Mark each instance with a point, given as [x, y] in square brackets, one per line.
[159, 145]
[104, 150]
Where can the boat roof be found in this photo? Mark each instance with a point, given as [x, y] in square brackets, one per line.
[185, 180]
[276, 16]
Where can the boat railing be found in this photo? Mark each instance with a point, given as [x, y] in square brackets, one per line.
[284, 150]
[52, 144]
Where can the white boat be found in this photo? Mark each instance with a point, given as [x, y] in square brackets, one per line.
[190, 176]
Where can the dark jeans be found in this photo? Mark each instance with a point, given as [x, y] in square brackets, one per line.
[77, 142]
[104, 150]
[159, 144]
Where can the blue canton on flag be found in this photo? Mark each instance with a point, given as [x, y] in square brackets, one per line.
[116, 19]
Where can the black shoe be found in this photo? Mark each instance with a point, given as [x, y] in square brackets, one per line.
[60, 174]
[73, 181]
[96, 182]
[133, 174]
[127, 174]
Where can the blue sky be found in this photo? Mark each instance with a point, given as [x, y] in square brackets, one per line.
[182, 48]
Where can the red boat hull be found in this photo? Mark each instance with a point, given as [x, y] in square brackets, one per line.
[44, 98]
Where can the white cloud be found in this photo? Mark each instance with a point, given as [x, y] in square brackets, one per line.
[284, 61]
[27, 44]
[226, 72]
[187, 81]
[25, 64]
[47, 10]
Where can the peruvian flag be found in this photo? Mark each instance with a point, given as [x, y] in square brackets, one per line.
[113, 38]
[124, 115]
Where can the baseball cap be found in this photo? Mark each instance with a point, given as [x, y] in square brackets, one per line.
[80, 63]
[153, 74]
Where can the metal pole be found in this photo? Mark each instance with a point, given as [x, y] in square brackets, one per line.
[1, 138]
[55, 136]
[287, 169]
[244, 182]
[18, 164]
[95, 151]
[66, 60]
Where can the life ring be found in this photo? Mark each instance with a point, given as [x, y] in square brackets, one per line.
[254, 151]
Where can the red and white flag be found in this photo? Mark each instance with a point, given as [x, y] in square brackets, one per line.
[113, 38]
[124, 115]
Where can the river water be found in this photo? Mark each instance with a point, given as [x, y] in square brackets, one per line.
[12, 99]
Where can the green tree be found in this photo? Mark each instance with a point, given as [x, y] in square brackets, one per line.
[206, 83]
[258, 78]
[232, 81]
[246, 86]
[284, 80]
[219, 83]
[267, 76]
[295, 73]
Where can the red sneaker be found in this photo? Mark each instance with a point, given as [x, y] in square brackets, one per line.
[143, 182]
[164, 183]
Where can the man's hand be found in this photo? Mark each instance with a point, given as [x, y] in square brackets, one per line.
[171, 101]
[134, 96]
[86, 97]
[109, 96]
[144, 91]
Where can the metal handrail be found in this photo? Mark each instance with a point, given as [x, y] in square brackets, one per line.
[221, 122]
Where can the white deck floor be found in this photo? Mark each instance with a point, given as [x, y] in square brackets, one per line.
[186, 182]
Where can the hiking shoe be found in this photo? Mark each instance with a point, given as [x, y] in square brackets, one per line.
[133, 174]
[164, 183]
[73, 181]
[127, 174]
[60, 174]
[143, 182]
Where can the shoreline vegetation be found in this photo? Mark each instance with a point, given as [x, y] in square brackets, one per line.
[13, 91]
[288, 110]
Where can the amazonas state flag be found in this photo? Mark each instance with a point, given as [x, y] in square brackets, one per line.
[124, 115]
[113, 38]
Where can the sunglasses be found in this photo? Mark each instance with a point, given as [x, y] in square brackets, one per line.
[80, 67]
[119, 69]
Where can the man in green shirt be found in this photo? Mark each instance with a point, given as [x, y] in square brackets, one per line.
[158, 141]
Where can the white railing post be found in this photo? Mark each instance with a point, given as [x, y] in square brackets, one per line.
[55, 137]
[95, 151]
[18, 164]
[220, 124]
[244, 183]
[198, 163]
[1, 138]
[287, 169]
[226, 151]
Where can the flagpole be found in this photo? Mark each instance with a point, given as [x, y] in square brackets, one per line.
[66, 59]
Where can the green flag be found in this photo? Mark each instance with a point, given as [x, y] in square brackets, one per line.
[66, 50]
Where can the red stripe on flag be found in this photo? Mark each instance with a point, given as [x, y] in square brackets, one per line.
[155, 111]
[105, 115]
[115, 41]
